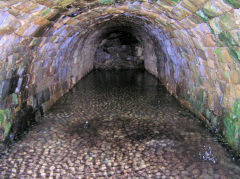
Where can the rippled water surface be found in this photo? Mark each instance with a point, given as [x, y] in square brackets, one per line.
[118, 125]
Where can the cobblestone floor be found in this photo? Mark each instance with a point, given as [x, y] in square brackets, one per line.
[118, 125]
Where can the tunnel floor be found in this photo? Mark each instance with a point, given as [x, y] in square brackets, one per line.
[120, 124]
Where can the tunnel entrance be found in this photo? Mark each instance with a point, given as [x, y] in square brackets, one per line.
[125, 43]
[119, 49]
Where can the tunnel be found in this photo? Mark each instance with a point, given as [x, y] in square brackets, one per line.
[192, 47]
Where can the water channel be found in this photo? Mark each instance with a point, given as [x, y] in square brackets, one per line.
[118, 124]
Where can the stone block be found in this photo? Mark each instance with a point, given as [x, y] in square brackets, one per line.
[189, 22]
[223, 55]
[235, 53]
[215, 8]
[166, 5]
[201, 54]
[28, 30]
[226, 22]
[211, 53]
[8, 23]
[237, 91]
[211, 63]
[235, 36]
[201, 14]
[47, 13]
[208, 40]
[227, 40]
[26, 6]
[180, 12]
[224, 76]
[235, 77]
[201, 30]
[193, 5]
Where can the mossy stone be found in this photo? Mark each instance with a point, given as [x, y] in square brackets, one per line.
[202, 15]
[7, 129]
[210, 10]
[227, 39]
[233, 3]
[105, 2]
[14, 98]
[46, 11]
[232, 126]
[235, 53]
[2, 117]
[177, 1]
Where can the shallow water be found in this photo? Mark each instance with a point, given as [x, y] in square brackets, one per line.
[120, 124]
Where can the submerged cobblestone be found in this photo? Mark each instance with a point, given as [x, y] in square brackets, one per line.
[120, 124]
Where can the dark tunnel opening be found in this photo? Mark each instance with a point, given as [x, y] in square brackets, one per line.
[119, 49]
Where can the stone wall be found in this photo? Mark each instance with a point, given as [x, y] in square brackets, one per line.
[192, 46]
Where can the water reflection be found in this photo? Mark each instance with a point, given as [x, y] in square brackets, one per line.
[120, 124]
[207, 154]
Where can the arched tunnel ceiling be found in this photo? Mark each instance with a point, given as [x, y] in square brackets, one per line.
[191, 46]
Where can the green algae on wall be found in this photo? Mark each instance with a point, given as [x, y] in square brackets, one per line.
[210, 10]
[233, 3]
[227, 39]
[232, 126]
[7, 129]
[46, 11]
[201, 14]
[220, 54]
[235, 53]
[106, 2]
[5, 122]
[14, 98]
[177, 1]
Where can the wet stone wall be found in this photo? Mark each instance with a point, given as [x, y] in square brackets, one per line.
[191, 46]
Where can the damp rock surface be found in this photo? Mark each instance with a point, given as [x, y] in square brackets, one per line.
[118, 124]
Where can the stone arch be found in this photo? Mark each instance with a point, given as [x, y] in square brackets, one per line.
[192, 46]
